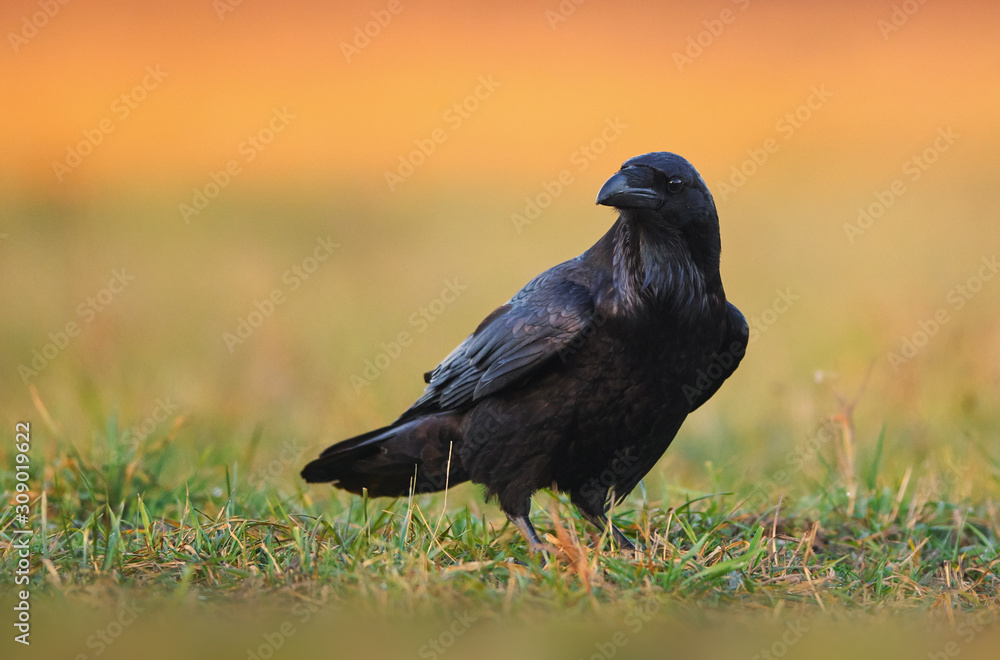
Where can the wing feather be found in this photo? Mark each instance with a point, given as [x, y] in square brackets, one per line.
[510, 344]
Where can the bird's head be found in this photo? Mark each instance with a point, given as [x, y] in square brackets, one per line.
[667, 223]
[660, 186]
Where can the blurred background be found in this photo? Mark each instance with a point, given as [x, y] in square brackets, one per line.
[219, 218]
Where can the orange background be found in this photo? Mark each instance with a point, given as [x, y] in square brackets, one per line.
[557, 85]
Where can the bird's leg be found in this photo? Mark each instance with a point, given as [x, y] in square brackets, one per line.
[603, 522]
[528, 531]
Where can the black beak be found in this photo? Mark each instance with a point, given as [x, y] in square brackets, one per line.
[630, 187]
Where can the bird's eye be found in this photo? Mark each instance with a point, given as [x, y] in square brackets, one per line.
[675, 185]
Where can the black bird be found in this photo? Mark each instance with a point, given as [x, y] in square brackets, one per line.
[582, 379]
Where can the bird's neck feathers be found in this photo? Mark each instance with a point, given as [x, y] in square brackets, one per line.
[654, 266]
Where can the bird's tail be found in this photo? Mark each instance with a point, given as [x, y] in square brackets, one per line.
[422, 453]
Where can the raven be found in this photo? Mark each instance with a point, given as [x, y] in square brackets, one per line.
[582, 379]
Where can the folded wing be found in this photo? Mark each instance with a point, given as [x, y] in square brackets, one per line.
[509, 345]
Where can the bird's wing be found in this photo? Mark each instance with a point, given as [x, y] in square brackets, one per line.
[510, 344]
[728, 356]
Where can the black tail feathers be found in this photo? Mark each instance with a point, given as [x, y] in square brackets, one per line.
[390, 460]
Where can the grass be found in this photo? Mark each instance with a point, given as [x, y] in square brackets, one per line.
[117, 519]
[116, 525]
